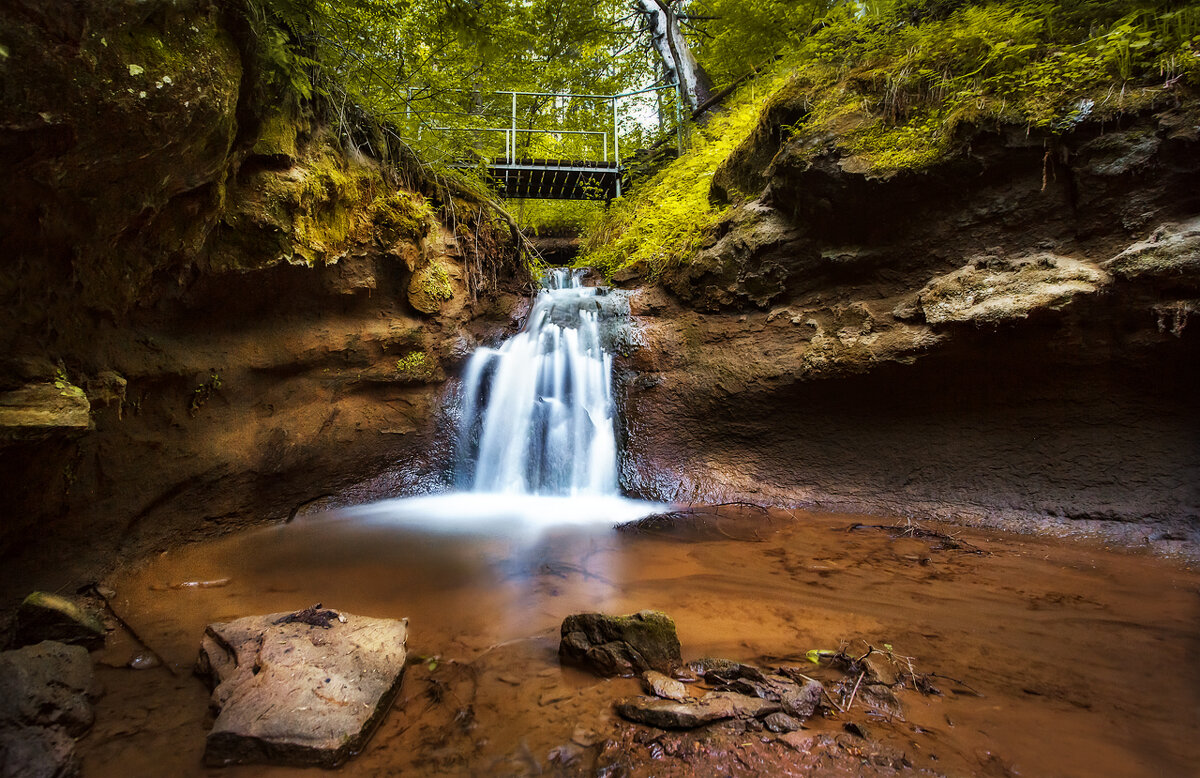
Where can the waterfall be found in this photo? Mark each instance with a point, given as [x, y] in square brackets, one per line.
[537, 412]
[536, 444]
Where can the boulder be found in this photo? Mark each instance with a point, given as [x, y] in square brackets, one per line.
[43, 706]
[620, 645]
[37, 752]
[46, 685]
[302, 689]
[712, 707]
[45, 616]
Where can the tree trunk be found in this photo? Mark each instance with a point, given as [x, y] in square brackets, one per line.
[668, 41]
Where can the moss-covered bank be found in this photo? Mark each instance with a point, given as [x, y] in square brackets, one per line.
[214, 306]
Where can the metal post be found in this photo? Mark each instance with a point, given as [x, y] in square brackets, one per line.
[679, 118]
[616, 145]
[514, 127]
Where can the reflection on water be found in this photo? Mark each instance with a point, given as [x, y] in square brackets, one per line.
[1095, 648]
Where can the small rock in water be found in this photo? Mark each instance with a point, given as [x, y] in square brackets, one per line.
[144, 661]
[299, 689]
[723, 670]
[585, 737]
[780, 723]
[802, 701]
[663, 686]
[564, 754]
[620, 645]
[45, 616]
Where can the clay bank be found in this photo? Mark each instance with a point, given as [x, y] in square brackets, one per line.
[890, 466]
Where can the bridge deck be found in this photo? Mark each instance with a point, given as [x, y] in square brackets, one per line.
[554, 179]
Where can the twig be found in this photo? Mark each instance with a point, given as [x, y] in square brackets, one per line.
[853, 693]
[95, 591]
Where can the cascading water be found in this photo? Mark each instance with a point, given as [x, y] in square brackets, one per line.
[537, 437]
[537, 414]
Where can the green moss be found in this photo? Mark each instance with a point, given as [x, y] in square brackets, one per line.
[430, 287]
[401, 216]
[665, 221]
[892, 85]
[417, 367]
[277, 138]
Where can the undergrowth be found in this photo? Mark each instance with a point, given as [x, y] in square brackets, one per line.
[665, 219]
[892, 84]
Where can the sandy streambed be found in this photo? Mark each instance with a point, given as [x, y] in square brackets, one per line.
[1067, 658]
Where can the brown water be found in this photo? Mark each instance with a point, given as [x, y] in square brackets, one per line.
[1086, 661]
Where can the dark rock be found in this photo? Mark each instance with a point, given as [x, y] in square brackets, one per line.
[37, 752]
[663, 686]
[43, 706]
[780, 723]
[714, 706]
[620, 645]
[296, 693]
[797, 698]
[46, 685]
[724, 670]
[45, 616]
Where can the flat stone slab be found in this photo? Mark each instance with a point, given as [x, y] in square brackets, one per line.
[302, 689]
[714, 706]
[37, 410]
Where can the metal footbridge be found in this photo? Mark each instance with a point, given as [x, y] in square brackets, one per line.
[548, 145]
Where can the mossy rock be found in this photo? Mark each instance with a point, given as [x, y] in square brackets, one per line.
[620, 645]
[418, 367]
[277, 138]
[400, 217]
[430, 287]
[46, 616]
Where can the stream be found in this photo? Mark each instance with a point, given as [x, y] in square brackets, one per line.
[1084, 659]
[1040, 656]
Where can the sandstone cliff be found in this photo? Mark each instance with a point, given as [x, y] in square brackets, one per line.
[1004, 334]
[215, 305]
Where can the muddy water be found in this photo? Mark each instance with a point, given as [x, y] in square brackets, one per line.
[1073, 660]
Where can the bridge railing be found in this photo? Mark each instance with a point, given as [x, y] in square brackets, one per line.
[473, 125]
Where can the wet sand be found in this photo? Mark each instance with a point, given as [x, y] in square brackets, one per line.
[1085, 661]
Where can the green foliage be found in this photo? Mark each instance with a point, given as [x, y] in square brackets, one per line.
[666, 218]
[890, 83]
[914, 71]
[738, 36]
[203, 393]
[535, 217]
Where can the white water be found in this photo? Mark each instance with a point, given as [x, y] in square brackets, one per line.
[537, 444]
[537, 414]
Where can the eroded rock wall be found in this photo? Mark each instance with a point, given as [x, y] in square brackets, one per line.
[213, 308]
[1006, 334]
